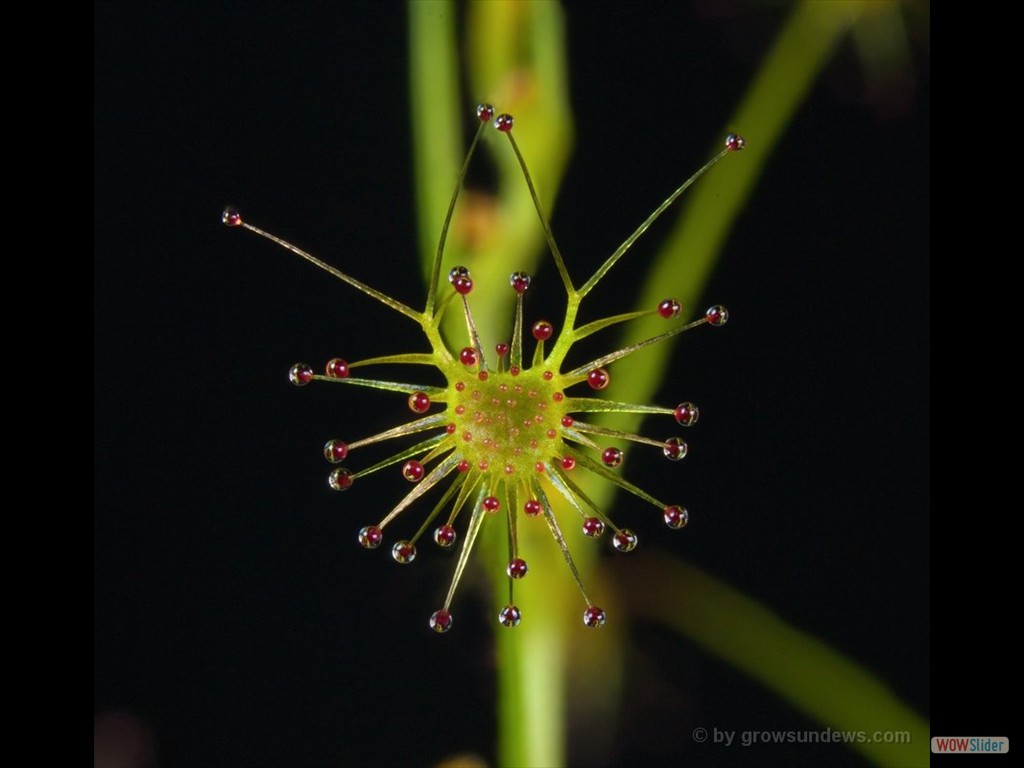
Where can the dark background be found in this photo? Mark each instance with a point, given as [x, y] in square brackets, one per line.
[233, 612]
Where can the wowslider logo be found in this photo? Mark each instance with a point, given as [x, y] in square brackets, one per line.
[942, 745]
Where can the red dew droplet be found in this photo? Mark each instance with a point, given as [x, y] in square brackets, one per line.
[504, 122]
[482, 466]
[519, 281]
[734, 142]
[567, 421]
[300, 374]
[337, 368]
[624, 540]
[594, 617]
[444, 535]
[463, 466]
[462, 285]
[419, 402]
[441, 621]
[676, 516]
[468, 356]
[717, 315]
[593, 527]
[547, 375]
[370, 537]
[231, 217]
[510, 616]
[532, 508]
[501, 348]
[491, 504]
[598, 378]
[612, 457]
[669, 308]
[485, 112]
[517, 568]
[340, 479]
[542, 330]
[514, 370]
[456, 272]
[459, 386]
[413, 471]
[687, 414]
[558, 397]
[404, 552]
[482, 375]
[335, 451]
[674, 448]
[568, 462]
[539, 466]
[450, 429]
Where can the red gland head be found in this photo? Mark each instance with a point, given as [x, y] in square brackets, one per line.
[468, 356]
[337, 368]
[612, 457]
[542, 330]
[413, 471]
[419, 402]
[519, 281]
[669, 308]
[517, 568]
[598, 378]
[687, 414]
[734, 142]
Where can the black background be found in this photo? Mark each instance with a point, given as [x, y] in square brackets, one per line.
[233, 612]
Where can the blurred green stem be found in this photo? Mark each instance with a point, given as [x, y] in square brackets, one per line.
[523, 70]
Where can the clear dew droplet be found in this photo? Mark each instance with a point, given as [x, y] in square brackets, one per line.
[403, 552]
[674, 448]
[300, 374]
[340, 479]
[624, 540]
[594, 616]
[676, 516]
[370, 537]
[510, 616]
[717, 315]
[335, 451]
[441, 621]
[444, 535]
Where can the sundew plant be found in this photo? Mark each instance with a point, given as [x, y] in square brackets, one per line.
[516, 458]
[512, 429]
